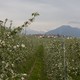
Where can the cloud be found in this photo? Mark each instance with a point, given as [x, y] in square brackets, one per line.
[52, 12]
[74, 22]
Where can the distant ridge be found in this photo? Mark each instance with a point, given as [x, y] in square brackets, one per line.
[66, 30]
[30, 31]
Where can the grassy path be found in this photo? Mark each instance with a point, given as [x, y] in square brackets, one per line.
[37, 71]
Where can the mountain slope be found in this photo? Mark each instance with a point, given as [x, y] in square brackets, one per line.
[65, 30]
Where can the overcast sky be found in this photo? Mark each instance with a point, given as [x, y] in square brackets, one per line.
[53, 13]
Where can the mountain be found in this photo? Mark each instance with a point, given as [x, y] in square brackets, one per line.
[66, 30]
[30, 31]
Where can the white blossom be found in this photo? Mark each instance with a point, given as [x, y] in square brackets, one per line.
[22, 45]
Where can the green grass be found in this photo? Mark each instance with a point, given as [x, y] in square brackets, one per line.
[38, 69]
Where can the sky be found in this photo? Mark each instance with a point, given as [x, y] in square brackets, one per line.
[53, 13]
